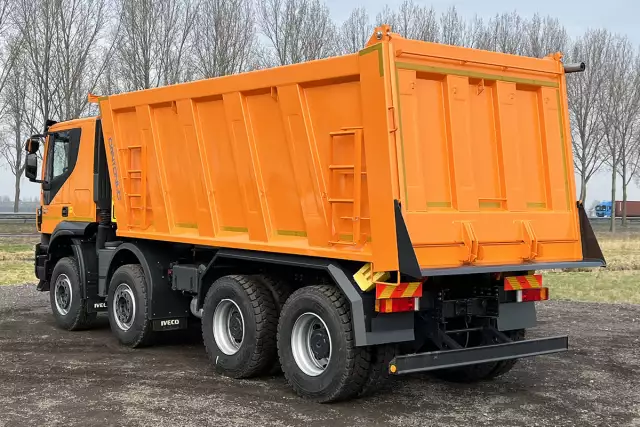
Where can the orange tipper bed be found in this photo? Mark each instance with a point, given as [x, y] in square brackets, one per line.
[470, 149]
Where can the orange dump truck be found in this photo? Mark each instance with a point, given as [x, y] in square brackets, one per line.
[379, 213]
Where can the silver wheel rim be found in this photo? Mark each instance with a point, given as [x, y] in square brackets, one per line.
[63, 294]
[311, 344]
[124, 306]
[228, 327]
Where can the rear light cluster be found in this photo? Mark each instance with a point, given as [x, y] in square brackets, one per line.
[395, 298]
[526, 288]
[395, 305]
[526, 295]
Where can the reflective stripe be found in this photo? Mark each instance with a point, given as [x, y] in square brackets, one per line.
[516, 283]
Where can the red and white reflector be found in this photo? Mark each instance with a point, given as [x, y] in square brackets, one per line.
[397, 305]
[536, 294]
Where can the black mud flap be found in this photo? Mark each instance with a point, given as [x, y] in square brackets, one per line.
[96, 304]
[170, 324]
[443, 359]
[590, 248]
[407, 260]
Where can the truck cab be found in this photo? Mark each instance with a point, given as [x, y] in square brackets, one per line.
[67, 171]
[603, 210]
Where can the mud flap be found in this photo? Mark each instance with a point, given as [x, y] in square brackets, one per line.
[590, 248]
[407, 260]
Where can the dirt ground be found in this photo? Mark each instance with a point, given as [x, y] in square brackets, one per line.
[53, 377]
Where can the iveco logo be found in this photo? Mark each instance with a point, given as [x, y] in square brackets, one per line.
[169, 322]
[100, 305]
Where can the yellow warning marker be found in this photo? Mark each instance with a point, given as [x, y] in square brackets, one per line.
[393, 369]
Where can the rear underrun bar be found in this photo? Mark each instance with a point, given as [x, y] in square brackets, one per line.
[442, 359]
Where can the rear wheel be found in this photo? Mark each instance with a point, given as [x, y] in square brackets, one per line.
[317, 348]
[128, 306]
[280, 291]
[65, 296]
[378, 377]
[482, 371]
[239, 323]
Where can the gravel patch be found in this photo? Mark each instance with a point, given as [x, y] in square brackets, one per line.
[53, 377]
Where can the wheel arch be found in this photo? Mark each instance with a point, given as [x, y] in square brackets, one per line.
[155, 260]
[63, 241]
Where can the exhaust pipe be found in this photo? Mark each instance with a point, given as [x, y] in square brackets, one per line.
[577, 67]
[194, 308]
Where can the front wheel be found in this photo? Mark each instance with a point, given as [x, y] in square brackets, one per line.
[317, 347]
[65, 296]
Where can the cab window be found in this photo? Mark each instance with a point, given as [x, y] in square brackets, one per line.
[60, 155]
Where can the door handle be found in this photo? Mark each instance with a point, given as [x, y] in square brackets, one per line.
[65, 211]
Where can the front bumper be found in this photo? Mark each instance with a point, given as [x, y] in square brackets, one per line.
[443, 359]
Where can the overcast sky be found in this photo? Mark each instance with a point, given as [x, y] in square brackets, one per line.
[619, 16]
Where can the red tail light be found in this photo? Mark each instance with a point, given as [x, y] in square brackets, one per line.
[537, 294]
[395, 305]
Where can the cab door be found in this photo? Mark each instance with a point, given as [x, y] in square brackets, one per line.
[67, 194]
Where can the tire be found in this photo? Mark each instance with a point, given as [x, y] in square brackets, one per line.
[65, 295]
[128, 307]
[481, 371]
[280, 291]
[248, 350]
[341, 369]
[378, 378]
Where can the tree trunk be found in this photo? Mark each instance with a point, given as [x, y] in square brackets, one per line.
[583, 188]
[16, 194]
[612, 226]
[624, 202]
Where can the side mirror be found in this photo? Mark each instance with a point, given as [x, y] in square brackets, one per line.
[32, 145]
[31, 167]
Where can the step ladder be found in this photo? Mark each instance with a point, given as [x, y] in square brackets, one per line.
[131, 177]
[356, 200]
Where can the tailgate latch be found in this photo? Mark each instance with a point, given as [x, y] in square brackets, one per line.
[530, 239]
[470, 242]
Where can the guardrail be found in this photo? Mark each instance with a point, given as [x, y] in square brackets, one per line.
[17, 218]
[600, 219]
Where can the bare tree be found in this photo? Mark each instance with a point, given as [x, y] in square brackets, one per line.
[152, 38]
[224, 37]
[506, 33]
[36, 20]
[79, 25]
[453, 27]
[618, 110]
[411, 21]
[297, 30]
[545, 36]
[583, 89]
[355, 31]
[8, 49]
[626, 125]
[476, 34]
[15, 109]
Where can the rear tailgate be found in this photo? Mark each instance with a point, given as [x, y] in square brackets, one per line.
[484, 156]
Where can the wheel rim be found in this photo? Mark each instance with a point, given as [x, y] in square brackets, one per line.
[311, 344]
[124, 306]
[63, 294]
[228, 327]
